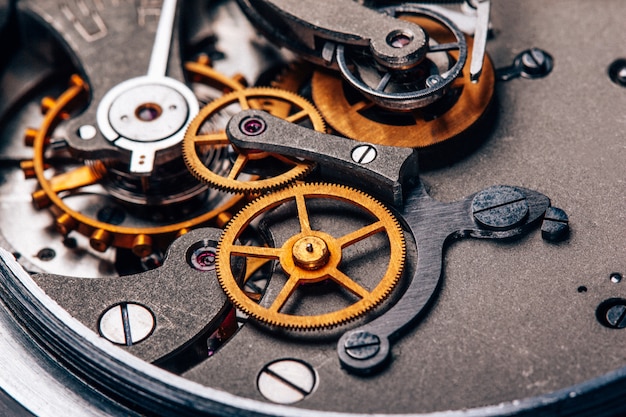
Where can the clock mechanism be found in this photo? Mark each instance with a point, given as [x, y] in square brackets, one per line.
[278, 207]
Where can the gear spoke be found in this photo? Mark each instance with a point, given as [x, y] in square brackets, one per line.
[263, 252]
[217, 138]
[243, 102]
[348, 283]
[464, 102]
[143, 239]
[284, 294]
[384, 82]
[76, 178]
[237, 167]
[309, 257]
[303, 214]
[360, 234]
[297, 117]
[280, 103]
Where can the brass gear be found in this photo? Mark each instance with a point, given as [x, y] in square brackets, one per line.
[102, 235]
[280, 103]
[364, 121]
[311, 256]
[201, 71]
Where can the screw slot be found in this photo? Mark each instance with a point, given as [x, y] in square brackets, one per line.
[126, 323]
[611, 313]
[287, 381]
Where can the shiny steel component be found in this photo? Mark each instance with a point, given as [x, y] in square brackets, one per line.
[503, 312]
[311, 256]
[102, 234]
[399, 76]
[146, 116]
[392, 43]
[410, 89]
[164, 315]
[498, 212]
[363, 120]
[286, 381]
[127, 323]
[531, 63]
[284, 104]
[388, 173]
[483, 9]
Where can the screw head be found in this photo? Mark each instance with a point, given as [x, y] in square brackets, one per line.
[617, 72]
[555, 226]
[252, 126]
[364, 154]
[434, 81]
[616, 316]
[86, 132]
[612, 313]
[535, 63]
[500, 207]
[286, 381]
[362, 345]
[126, 323]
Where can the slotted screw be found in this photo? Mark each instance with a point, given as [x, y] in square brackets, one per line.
[500, 207]
[362, 345]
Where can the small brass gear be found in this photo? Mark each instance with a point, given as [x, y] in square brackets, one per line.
[360, 119]
[280, 103]
[102, 235]
[312, 256]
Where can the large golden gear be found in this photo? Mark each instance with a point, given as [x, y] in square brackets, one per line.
[279, 103]
[311, 256]
[362, 120]
[141, 240]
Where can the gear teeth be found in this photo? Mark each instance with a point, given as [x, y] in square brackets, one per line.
[376, 125]
[274, 97]
[102, 235]
[391, 227]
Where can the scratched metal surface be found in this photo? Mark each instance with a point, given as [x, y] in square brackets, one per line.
[509, 321]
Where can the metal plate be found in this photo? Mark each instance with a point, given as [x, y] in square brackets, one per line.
[512, 320]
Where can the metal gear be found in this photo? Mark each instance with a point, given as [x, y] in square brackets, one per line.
[358, 118]
[102, 235]
[280, 103]
[311, 256]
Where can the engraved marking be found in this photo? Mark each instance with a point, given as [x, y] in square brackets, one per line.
[93, 26]
[148, 12]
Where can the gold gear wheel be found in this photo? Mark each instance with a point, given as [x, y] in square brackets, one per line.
[280, 103]
[102, 235]
[311, 256]
[364, 121]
